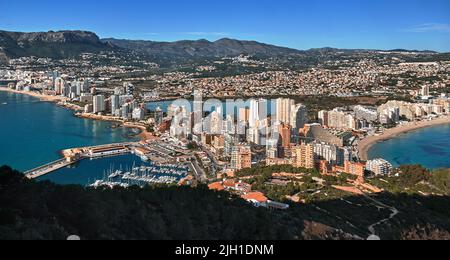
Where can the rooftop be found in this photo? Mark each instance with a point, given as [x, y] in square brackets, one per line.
[255, 196]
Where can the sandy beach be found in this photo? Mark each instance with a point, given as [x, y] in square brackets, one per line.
[365, 144]
[145, 135]
[35, 94]
[62, 101]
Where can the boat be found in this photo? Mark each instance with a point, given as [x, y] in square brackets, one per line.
[115, 174]
[143, 175]
[96, 184]
[4, 103]
[109, 184]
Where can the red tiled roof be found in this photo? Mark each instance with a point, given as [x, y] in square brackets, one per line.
[229, 183]
[256, 196]
[216, 186]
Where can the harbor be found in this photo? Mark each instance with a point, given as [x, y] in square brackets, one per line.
[74, 155]
[165, 163]
[144, 175]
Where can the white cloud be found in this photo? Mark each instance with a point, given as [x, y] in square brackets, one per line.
[430, 27]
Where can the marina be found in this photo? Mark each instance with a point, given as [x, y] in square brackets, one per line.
[72, 156]
[152, 152]
[143, 175]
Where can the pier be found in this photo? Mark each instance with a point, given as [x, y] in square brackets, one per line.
[48, 168]
[75, 155]
[154, 151]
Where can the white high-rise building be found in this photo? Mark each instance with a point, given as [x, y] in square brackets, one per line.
[79, 88]
[258, 111]
[126, 111]
[339, 119]
[254, 136]
[86, 86]
[159, 116]
[228, 125]
[138, 113]
[241, 128]
[283, 110]
[299, 116]
[379, 167]
[370, 114]
[389, 115]
[115, 103]
[99, 104]
[59, 85]
[323, 118]
[331, 153]
[171, 110]
[216, 123]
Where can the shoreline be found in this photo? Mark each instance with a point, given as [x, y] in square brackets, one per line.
[365, 144]
[144, 135]
[42, 97]
[58, 100]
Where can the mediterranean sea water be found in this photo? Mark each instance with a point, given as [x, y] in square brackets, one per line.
[429, 147]
[88, 171]
[33, 132]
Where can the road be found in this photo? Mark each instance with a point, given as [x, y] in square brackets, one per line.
[213, 160]
[395, 212]
[372, 227]
[198, 171]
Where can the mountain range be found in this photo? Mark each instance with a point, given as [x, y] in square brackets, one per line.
[203, 48]
[70, 44]
[62, 44]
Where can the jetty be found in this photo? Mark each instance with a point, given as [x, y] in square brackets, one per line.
[74, 155]
[48, 168]
[149, 150]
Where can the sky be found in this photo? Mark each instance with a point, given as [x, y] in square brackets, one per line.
[300, 24]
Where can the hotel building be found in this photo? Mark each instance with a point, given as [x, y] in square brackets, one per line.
[283, 110]
[241, 158]
[304, 156]
[99, 104]
[379, 167]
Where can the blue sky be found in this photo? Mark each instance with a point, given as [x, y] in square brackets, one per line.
[301, 24]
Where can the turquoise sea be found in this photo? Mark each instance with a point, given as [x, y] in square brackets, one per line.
[429, 147]
[33, 132]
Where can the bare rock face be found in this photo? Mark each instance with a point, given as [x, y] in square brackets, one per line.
[55, 37]
[61, 44]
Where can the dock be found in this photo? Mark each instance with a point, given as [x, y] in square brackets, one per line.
[74, 155]
[48, 168]
[154, 151]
